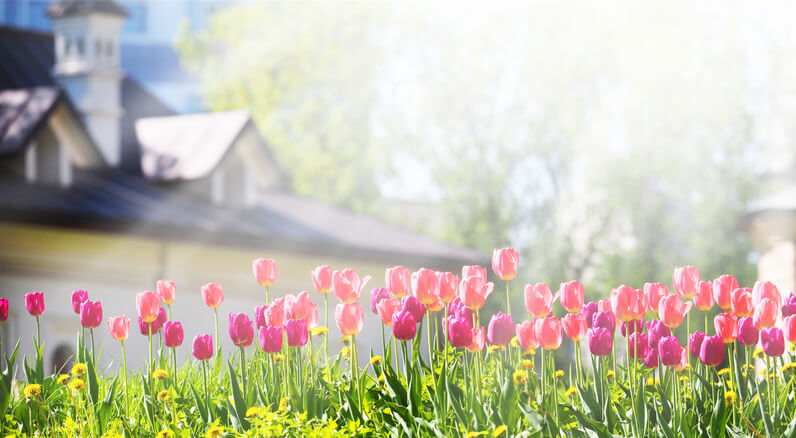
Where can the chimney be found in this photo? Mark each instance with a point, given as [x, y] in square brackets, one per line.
[87, 66]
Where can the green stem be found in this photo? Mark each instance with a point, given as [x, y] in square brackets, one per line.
[243, 368]
[430, 352]
[267, 295]
[168, 310]
[555, 386]
[207, 394]
[151, 363]
[215, 312]
[326, 336]
[38, 332]
[508, 301]
[355, 366]
[126, 396]
[93, 356]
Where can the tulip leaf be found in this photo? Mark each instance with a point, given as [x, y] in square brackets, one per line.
[199, 402]
[239, 411]
[93, 384]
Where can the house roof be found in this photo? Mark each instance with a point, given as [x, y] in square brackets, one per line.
[782, 201]
[66, 8]
[22, 111]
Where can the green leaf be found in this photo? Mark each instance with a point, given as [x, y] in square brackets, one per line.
[239, 411]
[199, 402]
[93, 384]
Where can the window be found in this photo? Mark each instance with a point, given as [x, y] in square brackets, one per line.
[80, 49]
[137, 17]
[37, 14]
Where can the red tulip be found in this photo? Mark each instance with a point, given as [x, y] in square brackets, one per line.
[742, 302]
[78, 297]
[722, 291]
[685, 281]
[34, 302]
[386, 309]
[350, 318]
[474, 291]
[479, 340]
[322, 279]
[148, 306]
[213, 294]
[264, 271]
[270, 339]
[424, 285]
[119, 327]
[549, 332]
[447, 286]
[789, 328]
[347, 286]
[397, 280]
[654, 293]
[538, 300]
[202, 347]
[672, 310]
[504, 263]
[172, 334]
[91, 314]
[575, 326]
[526, 335]
[766, 314]
[703, 300]
[571, 296]
[241, 329]
[726, 327]
[166, 291]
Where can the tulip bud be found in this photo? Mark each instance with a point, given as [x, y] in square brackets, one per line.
[404, 325]
[575, 326]
[34, 303]
[726, 326]
[504, 263]
[500, 329]
[600, 341]
[172, 334]
[78, 297]
[202, 347]
[571, 296]
[711, 353]
[747, 332]
[722, 291]
[685, 281]
[773, 341]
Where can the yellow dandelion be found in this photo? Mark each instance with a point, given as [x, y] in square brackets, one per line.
[688, 367]
[215, 431]
[529, 352]
[520, 377]
[757, 353]
[165, 434]
[279, 358]
[160, 374]
[744, 375]
[283, 404]
[472, 434]
[32, 391]
[253, 411]
[527, 364]
[763, 372]
[79, 369]
[650, 381]
[748, 367]
[723, 371]
[611, 375]
[730, 397]
[63, 379]
[788, 367]
[77, 384]
[345, 352]
[559, 373]
[375, 360]
[164, 395]
[381, 378]
[683, 378]
[320, 330]
[494, 349]
[792, 347]
[387, 411]
[499, 430]
[345, 339]
[515, 343]
[571, 391]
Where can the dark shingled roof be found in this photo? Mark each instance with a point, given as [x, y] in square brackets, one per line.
[21, 114]
[65, 8]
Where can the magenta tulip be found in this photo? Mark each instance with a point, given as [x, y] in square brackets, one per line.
[412, 304]
[601, 340]
[296, 331]
[172, 334]
[630, 327]
[589, 310]
[670, 351]
[773, 341]
[241, 329]
[651, 358]
[711, 353]
[404, 325]
[3, 309]
[604, 319]
[789, 307]
[259, 316]
[78, 297]
[376, 295]
[639, 345]
[270, 339]
[500, 329]
[34, 303]
[91, 314]
[695, 343]
[202, 347]
[747, 332]
[656, 331]
[460, 331]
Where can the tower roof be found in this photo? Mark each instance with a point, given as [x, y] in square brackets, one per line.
[65, 8]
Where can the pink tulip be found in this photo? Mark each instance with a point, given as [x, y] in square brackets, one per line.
[479, 340]
[299, 307]
[789, 328]
[656, 331]
[726, 326]
[601, 342]
[404, 325]
[435, 305]
[526, 335]
[628, 303]
[639, 346]
[259, 317]
[350, 318]
[144, 327]
[672, 310]
[322, 279]
[241, 329]
[213, 295]
[387, 308]
[685, 281]
[571, 296]
[376, 295]
[538, 300]
[703, 300]
[460, 331]
[504, 263]
[722, 291]
[91, 314]
[148, 306]
[172, 334]
[474, 291]
[202, 347]
[549, 332]
[474, 271]
[604, 319]
[166, 291]
[575, 326]
[765, 289]
[711, 353]
[34, 303]
[742, 302]
[3, 309]
[604, 305]
[296, 332]
[119, 327]
[447, 286]
[589, 310]
[270, 339]
[312, 317]
[347, 285]
[275, 313]
[397, 280]
[500, 329]
[424, 285]
[412, 304]
[747, 332]
[264, 271]
[766, 314]
[78, 297]
[680, 366]
[651, 358]
[654, 293]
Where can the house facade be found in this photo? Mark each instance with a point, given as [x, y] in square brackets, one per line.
[105, 188]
